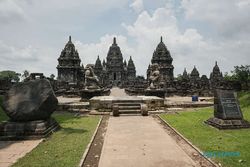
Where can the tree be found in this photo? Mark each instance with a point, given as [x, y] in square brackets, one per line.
[242, 74]
[25, 74]
[10, 75]
[229, 77]
[179, 77]
[52, 76]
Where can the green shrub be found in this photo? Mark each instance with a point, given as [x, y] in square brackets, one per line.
[244, 98]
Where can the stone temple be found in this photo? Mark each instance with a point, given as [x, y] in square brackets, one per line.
[162, 57]
[114, 71]
[69, 69]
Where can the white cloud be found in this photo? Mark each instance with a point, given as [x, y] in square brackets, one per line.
[50, 21]
[27, 58]
[89, 52]
[10, 12]
[230, 18]
[137, 5]
[188, 47]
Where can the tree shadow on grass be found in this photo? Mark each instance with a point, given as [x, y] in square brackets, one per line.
[67, 117]
[72, 130]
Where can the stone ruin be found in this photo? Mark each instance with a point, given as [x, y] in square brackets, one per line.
[5, 85]
[92, 86]
[115, 71]
[29, 106]
[227, 111]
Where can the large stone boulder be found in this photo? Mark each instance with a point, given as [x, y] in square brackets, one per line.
[30, 101]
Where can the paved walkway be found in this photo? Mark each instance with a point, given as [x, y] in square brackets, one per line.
[117, 92]
[11, 151]
[136, 141]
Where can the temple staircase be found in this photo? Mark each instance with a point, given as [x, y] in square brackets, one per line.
[129, 107]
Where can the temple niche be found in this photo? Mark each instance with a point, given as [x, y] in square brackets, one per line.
[162, 57]
[69, 69]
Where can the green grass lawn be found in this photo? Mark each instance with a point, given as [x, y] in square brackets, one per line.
[208, 139]
[66, 146]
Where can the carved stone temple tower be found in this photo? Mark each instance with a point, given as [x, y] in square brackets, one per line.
[69, 69]
[216, 76]
[117, 72]
[162, 57]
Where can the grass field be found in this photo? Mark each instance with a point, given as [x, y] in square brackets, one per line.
[208, 139]
[66, 146]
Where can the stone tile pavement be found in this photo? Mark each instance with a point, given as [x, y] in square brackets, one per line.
[11, 151]
[136, 141]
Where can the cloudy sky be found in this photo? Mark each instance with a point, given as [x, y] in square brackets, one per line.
[196, 32]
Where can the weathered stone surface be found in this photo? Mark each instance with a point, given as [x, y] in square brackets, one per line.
[10, 130]
[144, 110]
[30, 101]
[105, 103]
[226, 105]
[227, 112]
[115, 110]
[155, 92]
[69, 65]
[227, 124]
[87, 94]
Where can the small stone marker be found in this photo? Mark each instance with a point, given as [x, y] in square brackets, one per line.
[227, 112]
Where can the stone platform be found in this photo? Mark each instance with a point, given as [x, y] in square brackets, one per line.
[155, 92]
[27, 130]
[227, 124]
[105, 103]
[186, 102]
[87, 94]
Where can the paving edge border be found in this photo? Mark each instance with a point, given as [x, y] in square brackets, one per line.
[187, 141]
[90, 143]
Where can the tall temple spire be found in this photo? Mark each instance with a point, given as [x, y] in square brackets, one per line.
[98, 63]
[114, 40]
[194, 74]
[185, 74]
[161, 39]
[69, 38]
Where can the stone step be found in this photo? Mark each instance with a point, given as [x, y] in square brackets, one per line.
[128, 101]
[128, 104]
[129, 111]
[129, 107]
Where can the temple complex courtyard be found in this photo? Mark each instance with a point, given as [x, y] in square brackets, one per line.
[174, 135]
[124, 83]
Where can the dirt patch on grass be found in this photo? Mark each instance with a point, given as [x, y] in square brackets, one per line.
[191, 150]
[94, 153]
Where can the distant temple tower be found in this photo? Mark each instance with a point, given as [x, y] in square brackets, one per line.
[69, 69]
[117, 71]
[131, 72]
[195, 75]
[162, 57]
[185, 75]
[216, 76]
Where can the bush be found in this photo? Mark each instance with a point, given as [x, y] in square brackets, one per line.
[244, 98]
